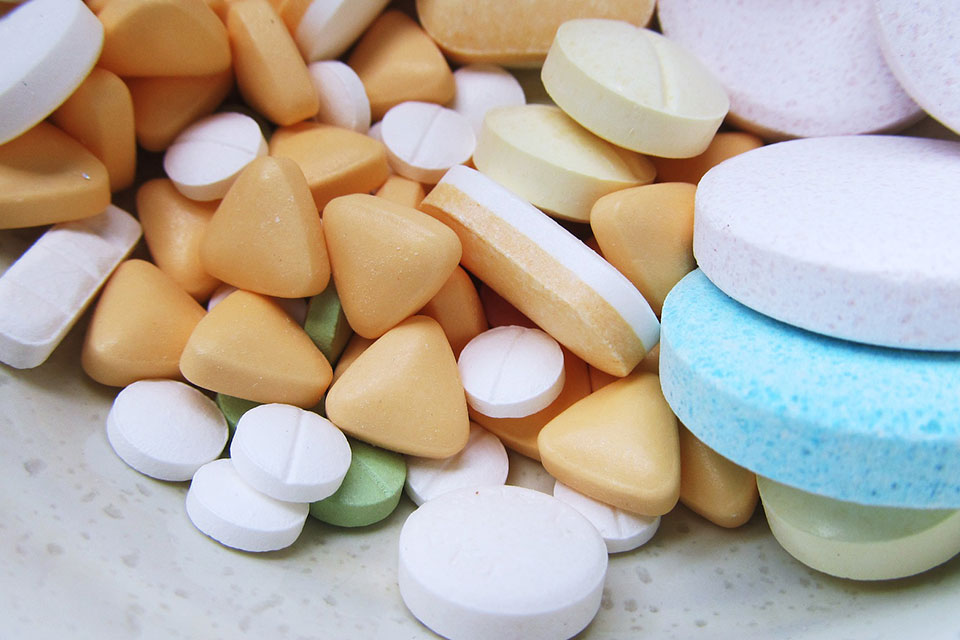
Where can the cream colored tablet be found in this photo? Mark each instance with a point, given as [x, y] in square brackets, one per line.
[545, 271]
[343, 100]
[207, 156]
[481, 87]
[634, 87]
[855, 541]
[423, 140]
[47, 47]
[542, 155]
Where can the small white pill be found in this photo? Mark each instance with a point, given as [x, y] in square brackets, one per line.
[374, 131]
[481, 87]
[44, 292]
[166, 429]
[501, 562]
[224, 507]
[424, 140]
[343, 100]
[621, 530]
[289, 453]
[481, 463]
[296, 308]
[207, 156]
[47, 47]
[329, 27]
[511, 371]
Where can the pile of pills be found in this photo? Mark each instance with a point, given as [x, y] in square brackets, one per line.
[385, 260]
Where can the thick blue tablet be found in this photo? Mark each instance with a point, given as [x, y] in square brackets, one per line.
[865, 424]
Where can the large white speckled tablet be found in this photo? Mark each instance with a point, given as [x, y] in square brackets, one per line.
[921, 42]
[853, 237]
[794, 68]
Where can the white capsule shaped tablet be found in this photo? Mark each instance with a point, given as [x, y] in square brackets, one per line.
[296, 308]
[166, 429]
[482, 462]
[481, 87]
[343, 100]
[424, 140]
[221, 505]
[289, 453]
[207, 156]
[47, 48]
[621, 530]
[511, 371]
[44, 292]
[501, 562]
[329, 27]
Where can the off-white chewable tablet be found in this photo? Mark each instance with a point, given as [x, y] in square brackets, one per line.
[855, 541]
[621, 530]
[289, 453]
[329, 27]
[634, 88]
[921, 45]
[423, 140]
[44, 292]
[856, 240]
[501, 562]
[511, 372]
[481, 87]
[47, 47]
[343, 100]
[221, 505]
[166, 429]
[481, 463]
[794, 69]
[207, 156]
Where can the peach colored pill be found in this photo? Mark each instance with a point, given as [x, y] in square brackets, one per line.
[647, 234]
[139, 327]
[402, 191]
[248, 347]
[163, 38]
[335, 161]
[99, 114]
[423, 140]
[403, 393]
[397, 62]
[173, 228]
[271, 75]
[296, 308]
[265, 236]
[716, 488]
[724, 145]
[46, 177]
[387, 260]
[458, 310]
[163, 107]
[618, 445]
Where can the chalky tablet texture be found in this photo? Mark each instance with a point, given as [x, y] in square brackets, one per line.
[621, 530]
[855, 541]
[224, 507]
[48, 47]
[794, 69]
[424, 140]
[165, 429]
[481, 87]
[854, 422]
[501, 562]
[856, 239]
[921, 44]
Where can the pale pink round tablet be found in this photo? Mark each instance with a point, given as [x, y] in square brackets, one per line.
[854, 237]
[794, 68]
[424, 140]
[343, 100]
[481, 87]
[921, 43]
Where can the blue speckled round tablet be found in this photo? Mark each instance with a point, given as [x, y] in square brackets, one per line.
[850, 421]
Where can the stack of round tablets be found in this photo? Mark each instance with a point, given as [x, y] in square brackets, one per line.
[818, 343]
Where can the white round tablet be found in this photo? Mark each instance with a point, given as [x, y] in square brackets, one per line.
[482, 462]
[621, 530]
[166, 429]
[501, 562]
[511, 371]
[857, 240]
[920, 41]
[424, 140]
[290, 454]
[207, 156]
[481, 87]
[47, 47]
[343, 100]
[224, 507]
[329, 27]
